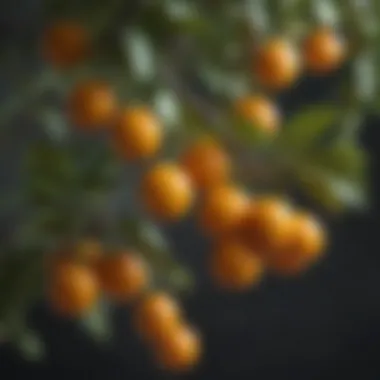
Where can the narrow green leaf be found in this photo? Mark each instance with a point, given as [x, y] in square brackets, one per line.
[30, 346]
[335, 193]
[97, 323]
[365, 77]
[256, 14]
[344, 159]
[140, 54]
[180, 280]
[249, 133]
[53, 124]
[306, 127]
[167, 106]
[325, 12]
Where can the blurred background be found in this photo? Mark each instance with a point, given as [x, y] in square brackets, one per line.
[321, 325]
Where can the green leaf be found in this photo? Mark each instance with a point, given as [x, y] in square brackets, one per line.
[335, 193]
[256, 14]
[53, 124]
[167, 106]
[325, 12]
[343, 159]
[30, 346]
[180, 280]
[140, 54]
[249, 133]
[145, 235]
[97, 323]
[306, 127]
[365, 77]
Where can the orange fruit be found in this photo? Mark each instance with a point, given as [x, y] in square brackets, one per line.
[156, 315]
[180, 350]
[305, 243]
[73, 289]
[207, 163]
[167, 191]
[266, 223]
[259, 111]
[138, 133]
[223, 209]
[123, 276]
[234, 266]
[65, 44]
[277, 64]
[324, 51]
[92, 104]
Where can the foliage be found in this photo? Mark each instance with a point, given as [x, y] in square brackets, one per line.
[187, 60]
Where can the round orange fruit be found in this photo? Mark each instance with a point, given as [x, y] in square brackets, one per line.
[138, 133]
[167, 191]
[123, 276]
[277, 64]
[92, 104]
[234, 266]
[73, 289]
[304, 244]
[179, 351]
[324, 51]
[259, 111]
[207, 163]
[156, 315]
[266, 223]
[223, 209]
[65, 44]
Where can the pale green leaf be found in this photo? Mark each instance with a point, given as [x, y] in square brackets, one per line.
[140, 54]
[180, 10]
[306, 127]
[166, 105]
[256, 14]
[30, 346]
[151, 235]
[365, 77]
[325, 12]
[53, 124]
[180, 279]
[334, 193]
[344, 159]
[97, 323]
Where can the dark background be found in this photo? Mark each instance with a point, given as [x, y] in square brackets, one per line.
[320, 326]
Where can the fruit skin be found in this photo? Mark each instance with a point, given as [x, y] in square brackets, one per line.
[305, 243]
[207, 163]
[223, 209]
[277, 64]
[266, 224]
[65, 44]
[167, 191]
[324, 51]
[92, 105]
[123, 276]
[73, 289]
[138, 134]
[234, 266]
[179, 351]
[260, 111]
[156, 315]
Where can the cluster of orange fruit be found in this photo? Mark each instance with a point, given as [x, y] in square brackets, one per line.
[277, 64]
[81, 273]
[250, 234]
